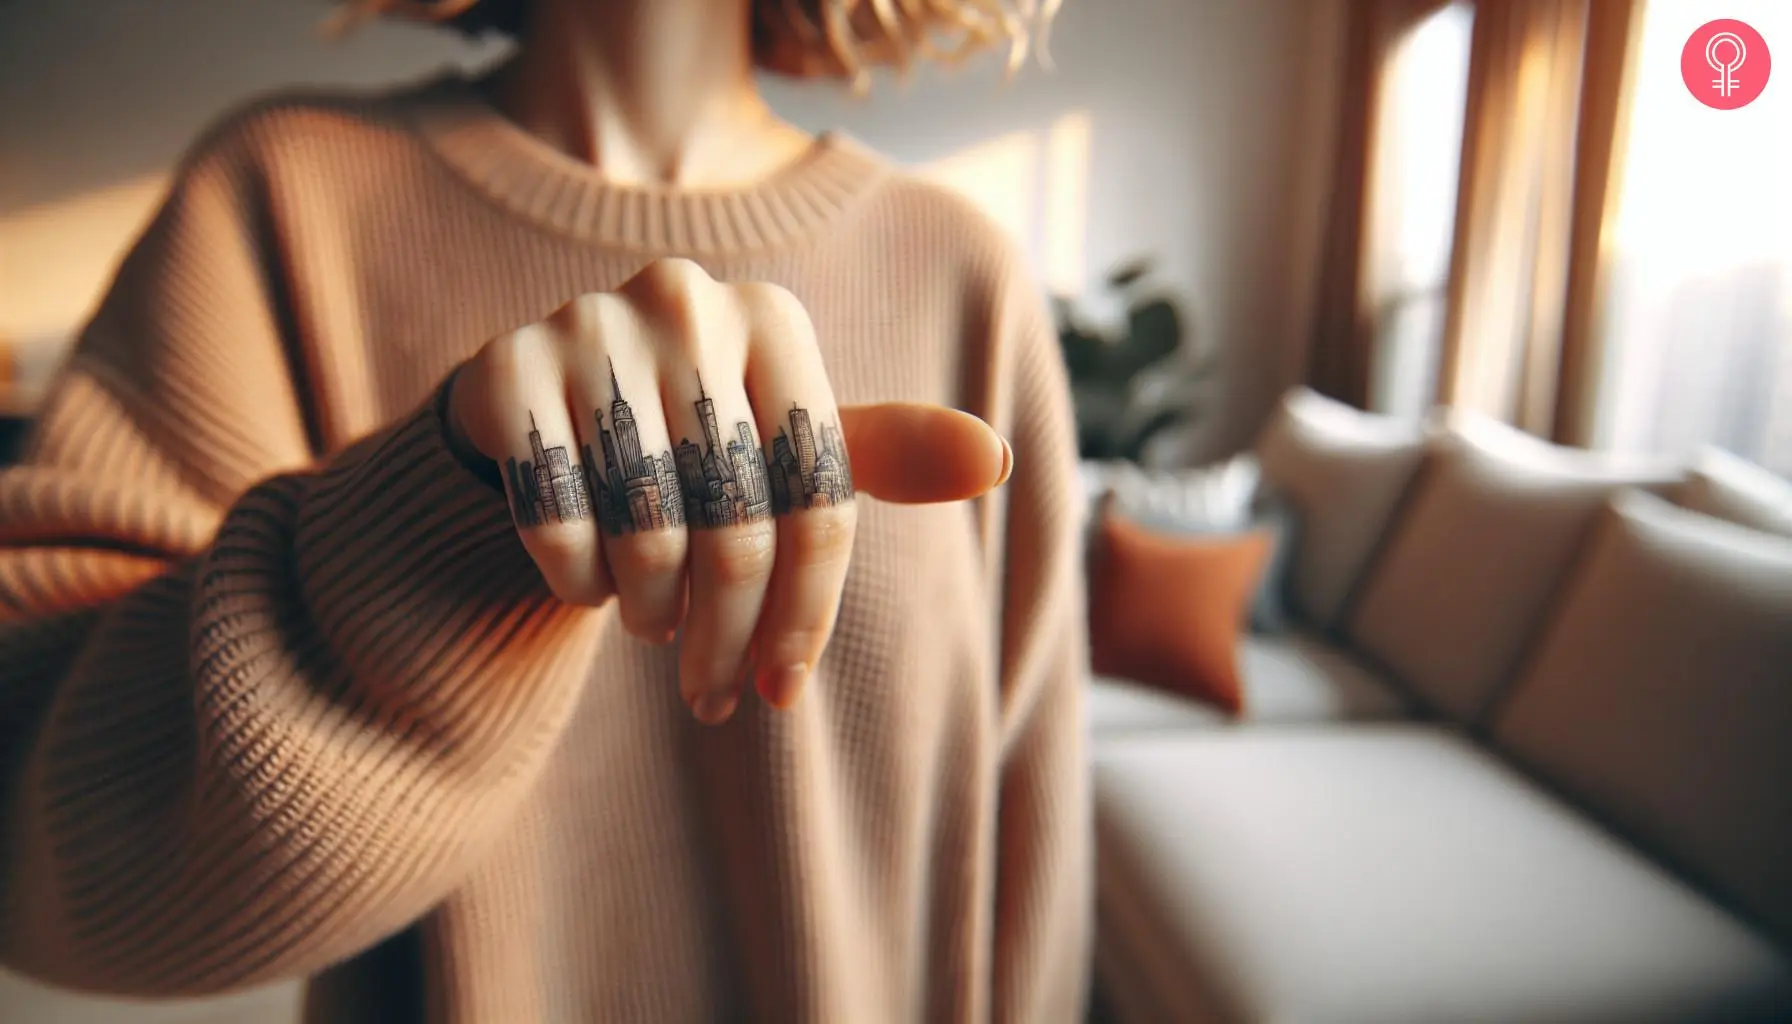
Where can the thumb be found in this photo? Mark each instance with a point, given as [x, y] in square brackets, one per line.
[919, 454]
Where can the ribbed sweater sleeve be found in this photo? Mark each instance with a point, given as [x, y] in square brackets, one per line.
[258, 709]
[1044, 894]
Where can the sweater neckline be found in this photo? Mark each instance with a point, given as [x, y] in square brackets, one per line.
[532, 179]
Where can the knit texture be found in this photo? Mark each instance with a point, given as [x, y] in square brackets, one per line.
[281, 694]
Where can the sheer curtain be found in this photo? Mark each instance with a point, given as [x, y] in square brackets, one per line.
[1697, 315]
[1415, 164]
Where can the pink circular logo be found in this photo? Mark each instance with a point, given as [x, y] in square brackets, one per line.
[1725, 64]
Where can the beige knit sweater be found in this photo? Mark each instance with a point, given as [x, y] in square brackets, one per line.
[283, 696]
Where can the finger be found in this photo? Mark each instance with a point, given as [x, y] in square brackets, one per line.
[919, 454]
[634, 489]
[523, 411]
[701, 349]
[811, 486]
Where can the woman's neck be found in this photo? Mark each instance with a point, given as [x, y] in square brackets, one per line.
[650, 91]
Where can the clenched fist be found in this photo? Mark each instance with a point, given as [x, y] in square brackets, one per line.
[676, 445]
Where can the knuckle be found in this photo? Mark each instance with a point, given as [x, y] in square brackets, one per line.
[677, 269]
[822, 536]
[505, 359]
[673, 292]
[579, 318]
[772, 306]
[655, 553]
[668, 279]
[744, 556]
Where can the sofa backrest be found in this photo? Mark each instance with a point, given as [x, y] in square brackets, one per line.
[1738, 491]
[1659, 698]
[1473, 563]
[1343, 472]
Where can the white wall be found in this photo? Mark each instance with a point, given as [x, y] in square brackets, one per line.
[1191, 130]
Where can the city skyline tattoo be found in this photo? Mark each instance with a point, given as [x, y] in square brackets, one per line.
[548, 487]
[719, 481]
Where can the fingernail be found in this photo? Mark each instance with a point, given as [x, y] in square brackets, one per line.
[780, 688]
[714, 708]
[1007, 462]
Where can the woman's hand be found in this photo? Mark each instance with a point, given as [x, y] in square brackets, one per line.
[675, 444]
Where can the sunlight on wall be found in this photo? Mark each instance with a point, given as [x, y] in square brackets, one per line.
[1035, 185]
[1066, 226]
[1002, 176]
[56, 259]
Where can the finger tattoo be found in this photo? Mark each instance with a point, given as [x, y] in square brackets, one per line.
[717, 480]
[548, 488]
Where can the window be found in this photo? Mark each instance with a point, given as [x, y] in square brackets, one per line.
[1697, 323]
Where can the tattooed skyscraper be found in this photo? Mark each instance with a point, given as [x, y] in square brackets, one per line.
[808, 471]
[546, 489]
[630, 487]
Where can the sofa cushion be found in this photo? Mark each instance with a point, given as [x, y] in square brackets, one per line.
[1288, 678]
[1390, 873]
[1168, 610]
[1727, 487]
[1343, 472]
[1661, 698]
[1472, 566]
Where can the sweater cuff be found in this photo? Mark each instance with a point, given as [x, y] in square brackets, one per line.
[482, 468]
[411, 567]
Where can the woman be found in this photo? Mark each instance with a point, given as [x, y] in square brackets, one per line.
[355, 631]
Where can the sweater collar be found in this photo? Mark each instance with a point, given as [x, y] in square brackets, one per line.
[536, 181]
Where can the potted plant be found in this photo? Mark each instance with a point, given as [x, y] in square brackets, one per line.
[1129, 386]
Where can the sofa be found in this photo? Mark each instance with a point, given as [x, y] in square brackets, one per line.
[1523, 752]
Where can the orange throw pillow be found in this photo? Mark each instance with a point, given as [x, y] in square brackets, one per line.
[1168, 610]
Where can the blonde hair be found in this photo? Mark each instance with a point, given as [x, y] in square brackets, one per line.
[842, 39]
